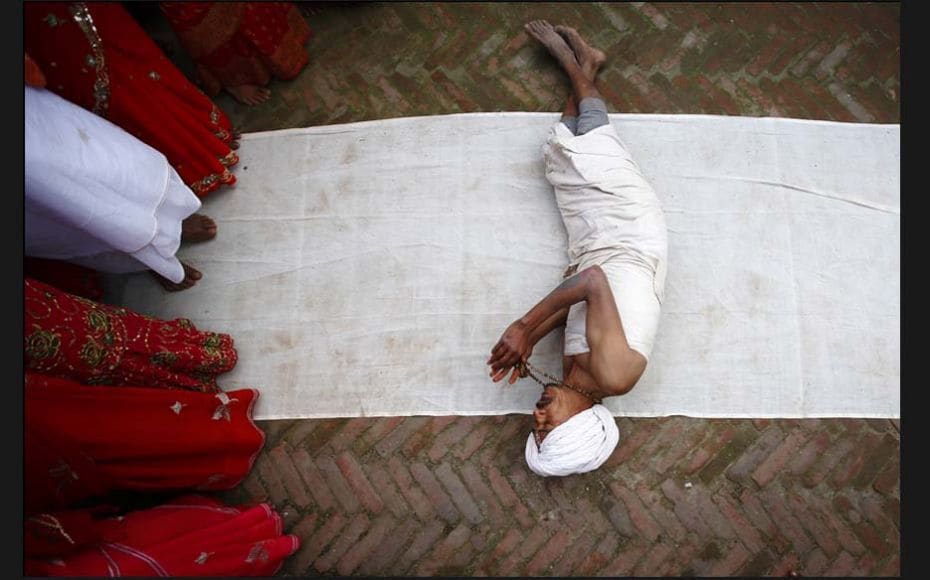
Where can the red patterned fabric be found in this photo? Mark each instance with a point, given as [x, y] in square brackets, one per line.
[98, 344]
[95, 55]
[82, 441]
[241, 43]
[190, 536]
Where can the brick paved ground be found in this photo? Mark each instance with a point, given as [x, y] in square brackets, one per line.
[680, 496]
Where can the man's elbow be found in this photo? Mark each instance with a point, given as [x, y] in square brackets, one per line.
[623, 382]
[621, 387]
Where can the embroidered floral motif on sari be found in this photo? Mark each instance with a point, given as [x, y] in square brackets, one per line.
[42, 344]
[93, 343]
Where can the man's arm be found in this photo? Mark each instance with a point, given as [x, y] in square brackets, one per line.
[547, 326]
[516, 344]
[556, 320]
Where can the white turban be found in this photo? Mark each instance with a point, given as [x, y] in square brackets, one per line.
[581, 444]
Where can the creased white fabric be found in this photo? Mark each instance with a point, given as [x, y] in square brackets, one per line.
[580, 444]
[96, 195]
[368, 269]
[613, 220]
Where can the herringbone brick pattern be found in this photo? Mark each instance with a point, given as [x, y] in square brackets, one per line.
[809, 60]
[679, 496]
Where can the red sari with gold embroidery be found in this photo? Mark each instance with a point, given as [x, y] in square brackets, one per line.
[96, 55]
[97, 344]
[162, 423]
[189, 536]
[241, 43]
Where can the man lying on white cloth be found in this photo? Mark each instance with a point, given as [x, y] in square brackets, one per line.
[610, 307]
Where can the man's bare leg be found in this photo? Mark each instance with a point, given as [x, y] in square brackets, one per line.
[582, 86]
[570, 114]
[590, 58]
[591, 61]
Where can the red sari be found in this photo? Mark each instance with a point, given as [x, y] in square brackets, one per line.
[83, 441]
[95, 55]
[190, 536]
[97, 344]
[241, 43]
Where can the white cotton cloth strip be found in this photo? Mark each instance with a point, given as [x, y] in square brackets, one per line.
[96, 195]
[367, 269]
[579, 445]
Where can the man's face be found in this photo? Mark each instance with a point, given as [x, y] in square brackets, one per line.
[552, 409]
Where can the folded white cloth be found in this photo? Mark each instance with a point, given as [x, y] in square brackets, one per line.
[580, 444]
[97, 196]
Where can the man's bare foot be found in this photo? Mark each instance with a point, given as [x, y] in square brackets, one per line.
[542, 31]
[191, 275]
[250, 94]
[198, 228]
[590, 58]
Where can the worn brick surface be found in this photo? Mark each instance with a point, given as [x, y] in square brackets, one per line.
[679, 496]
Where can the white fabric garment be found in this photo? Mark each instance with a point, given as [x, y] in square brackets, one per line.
[367, 269]
[613, 220]
[580, 444]
[96, 195]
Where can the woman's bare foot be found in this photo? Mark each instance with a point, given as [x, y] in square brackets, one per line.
[250, 94]
[191, 275]
[542, 31]
[198, 228]
[236, 135]
[590, 58]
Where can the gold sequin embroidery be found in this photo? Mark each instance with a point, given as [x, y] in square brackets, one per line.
[163, 359]
[42, 344]
[207, 182]
[93, 353]
[102, 84]
[229, 159]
